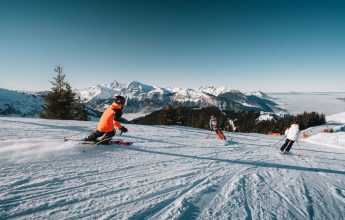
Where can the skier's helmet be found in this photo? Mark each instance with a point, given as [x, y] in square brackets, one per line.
[120, 100]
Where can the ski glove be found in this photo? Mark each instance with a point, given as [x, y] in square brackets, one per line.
[123, 129]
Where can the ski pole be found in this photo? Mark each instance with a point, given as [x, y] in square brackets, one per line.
[208, 136]
[278, 141]
[76, 134]
[69, 137]
[300, 149]
[103, 140]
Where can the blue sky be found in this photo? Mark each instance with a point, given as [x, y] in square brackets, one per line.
[272, 46]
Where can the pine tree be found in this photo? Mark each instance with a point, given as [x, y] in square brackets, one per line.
[80, 110]
[168, 116]
[181, 118]
[60, 102]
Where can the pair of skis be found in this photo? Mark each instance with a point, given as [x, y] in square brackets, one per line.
[219, 134]
[102, 142]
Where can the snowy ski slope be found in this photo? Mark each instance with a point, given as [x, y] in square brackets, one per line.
[169, 173]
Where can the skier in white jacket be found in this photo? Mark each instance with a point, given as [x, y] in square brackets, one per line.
[292, 135]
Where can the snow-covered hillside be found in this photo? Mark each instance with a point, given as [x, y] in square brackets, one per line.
[14, 103]
[168, 173]
[336, 118]
[335, 139]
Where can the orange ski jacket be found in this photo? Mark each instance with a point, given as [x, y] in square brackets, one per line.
[110, 118]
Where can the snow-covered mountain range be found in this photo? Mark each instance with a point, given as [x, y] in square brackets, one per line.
[142, 99]
[147, 98]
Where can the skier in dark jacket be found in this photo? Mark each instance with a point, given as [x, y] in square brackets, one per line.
[109, 120]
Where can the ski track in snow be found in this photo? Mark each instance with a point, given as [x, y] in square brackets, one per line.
[168, 173]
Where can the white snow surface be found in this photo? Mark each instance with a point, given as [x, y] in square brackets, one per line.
[191, 95]
[265, 117]
[259, 94]
[104, 91]
[131, 116]
[168, 173]
[334, 140]
[216, 91]
[133, 89]
[336, 118]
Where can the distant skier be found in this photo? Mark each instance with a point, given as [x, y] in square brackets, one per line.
[292, 134]
[214, 127]
[109, 120]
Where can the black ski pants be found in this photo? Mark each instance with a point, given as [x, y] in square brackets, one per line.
[97, 134]
[287, 145]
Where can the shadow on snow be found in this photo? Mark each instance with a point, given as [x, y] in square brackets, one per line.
[243, 162]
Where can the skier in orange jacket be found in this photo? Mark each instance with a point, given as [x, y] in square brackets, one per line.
[109, 120]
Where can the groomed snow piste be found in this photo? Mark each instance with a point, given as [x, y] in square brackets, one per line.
[168, 173]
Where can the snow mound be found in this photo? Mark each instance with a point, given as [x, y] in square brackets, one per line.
[334, 140]
[336, 118]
